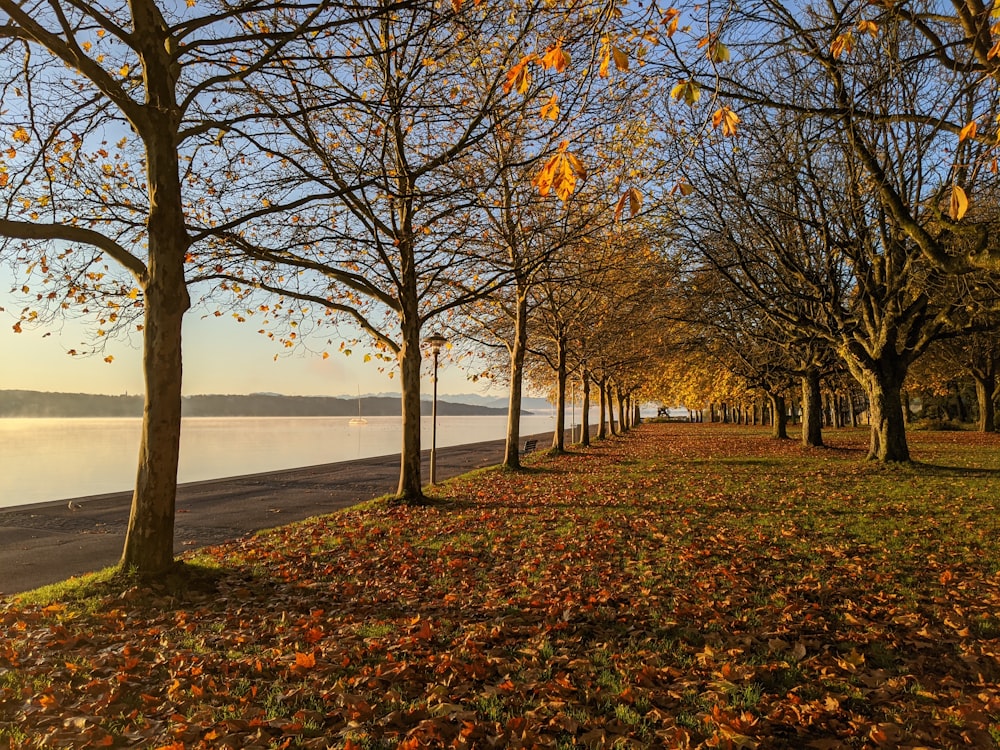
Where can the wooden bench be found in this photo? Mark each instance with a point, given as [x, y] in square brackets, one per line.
[529, 446]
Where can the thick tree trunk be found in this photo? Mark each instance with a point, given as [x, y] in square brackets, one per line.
[512, 450]
[986, 384]
[779, 422]
[812, 410]
[585, 421]
[888, 429]
[559, 436]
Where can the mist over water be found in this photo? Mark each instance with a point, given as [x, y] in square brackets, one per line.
[56, 459]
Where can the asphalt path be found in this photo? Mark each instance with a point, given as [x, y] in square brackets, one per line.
[45, 543]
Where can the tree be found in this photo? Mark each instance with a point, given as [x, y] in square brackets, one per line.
[113, 111]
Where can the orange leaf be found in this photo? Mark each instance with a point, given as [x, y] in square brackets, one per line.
[727, 120]
[631, 198]
[843, 44]
[670, 20]
[969, 131]
[556, 58]
[305, 661]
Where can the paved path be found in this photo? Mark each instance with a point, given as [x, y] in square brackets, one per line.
[47, 542]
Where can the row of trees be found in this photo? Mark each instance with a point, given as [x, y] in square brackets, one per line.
[745, 202]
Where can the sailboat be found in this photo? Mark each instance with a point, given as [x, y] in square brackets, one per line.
[358, 420]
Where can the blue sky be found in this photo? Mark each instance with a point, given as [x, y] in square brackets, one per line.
[220, 356]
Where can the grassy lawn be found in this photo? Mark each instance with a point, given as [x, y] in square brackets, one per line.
[684, 586]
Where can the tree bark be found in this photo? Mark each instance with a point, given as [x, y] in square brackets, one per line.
[512, 451]
[884, 383]
[602, 426]
[622, 410]
[779, 421]
[609, 397]
[812, 410]
[986, 384]
[559, 436]
[585, 421]
[410, 488]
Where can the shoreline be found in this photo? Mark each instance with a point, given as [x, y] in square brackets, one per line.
[47, 542]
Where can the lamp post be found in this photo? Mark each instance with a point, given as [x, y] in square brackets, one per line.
[435, 341]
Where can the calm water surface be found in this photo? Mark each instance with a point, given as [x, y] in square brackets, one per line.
[55, 459]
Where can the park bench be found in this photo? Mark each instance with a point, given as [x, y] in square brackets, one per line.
[529, 446]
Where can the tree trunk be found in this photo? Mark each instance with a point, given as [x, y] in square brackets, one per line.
[585, 421]
[812, 410]
[559, 436]
[986, 384]
[410, 488]
[779, 421]
[622, 410]
[884, 384]
[602, 425]
[149, 536]
[612, 427]
[512, 450]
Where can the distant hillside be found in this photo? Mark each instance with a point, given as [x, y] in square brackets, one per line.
[39, 404]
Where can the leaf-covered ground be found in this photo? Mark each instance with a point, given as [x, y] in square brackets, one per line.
[684, 586]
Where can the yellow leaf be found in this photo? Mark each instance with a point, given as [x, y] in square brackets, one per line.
[959, 203]
[21, 135]
[86, 46]
[605, 61]
[718, 53]
[123, 71]
[969, 131]
[726, 119]
[368, 358]
[689, 91]
[621, 59]
[550, 110]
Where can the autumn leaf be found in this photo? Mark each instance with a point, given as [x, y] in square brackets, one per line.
[959, 203]
[620, 58]
[17, 327]
[969, 131]
[670, 21]
[631, 198]
[550, 110]
[519, 77]
[109, 359]
[718, 52]
[305, 661]
[842, 45]
[560, 174]
[868, 27]
[688, 91]
[556, 58]
[21, 135]
[726, 119]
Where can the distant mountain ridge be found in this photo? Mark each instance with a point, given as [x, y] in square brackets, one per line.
[17, 403]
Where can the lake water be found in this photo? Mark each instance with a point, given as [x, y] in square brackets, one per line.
[55, 459]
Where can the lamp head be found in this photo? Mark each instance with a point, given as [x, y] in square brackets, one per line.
[435, 341]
